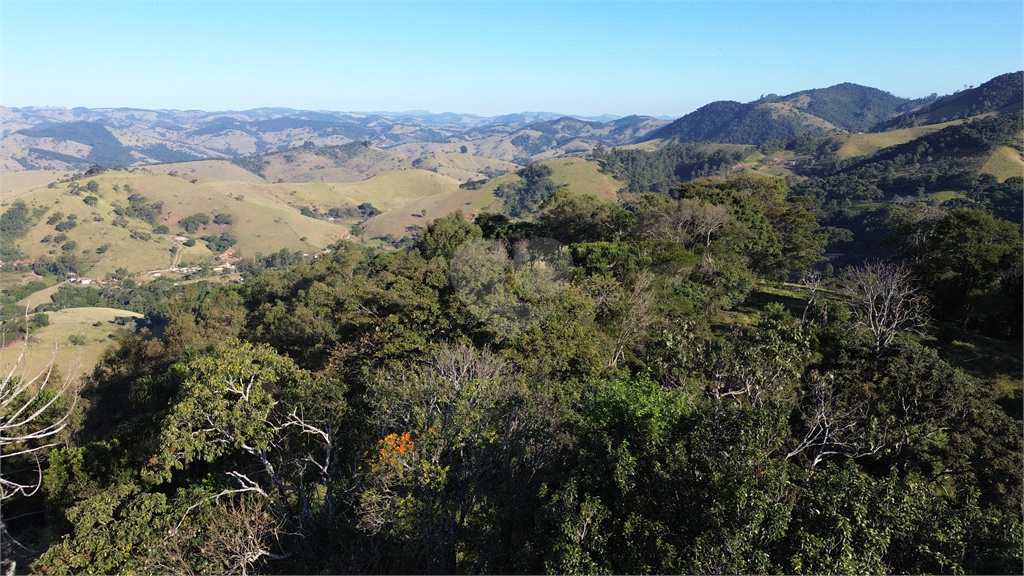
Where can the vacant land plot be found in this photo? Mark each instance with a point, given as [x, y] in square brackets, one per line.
[74, 340]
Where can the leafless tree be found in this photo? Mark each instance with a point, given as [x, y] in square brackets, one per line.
[811, 279]
[688, 221]
[838, 424]
[885, 300]
[34, 411]
[638, 316]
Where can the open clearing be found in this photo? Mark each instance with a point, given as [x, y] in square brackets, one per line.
[865, 144]
[72, 360]
[584, 178]
[1004, 163]
[14, 184]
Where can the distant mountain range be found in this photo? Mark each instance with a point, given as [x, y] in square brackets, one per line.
[74, 139]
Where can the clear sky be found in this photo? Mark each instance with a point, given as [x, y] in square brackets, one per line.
[657, 58]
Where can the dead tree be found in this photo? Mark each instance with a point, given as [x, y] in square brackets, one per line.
[885, 300]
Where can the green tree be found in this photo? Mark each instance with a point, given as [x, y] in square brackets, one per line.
[445, 234]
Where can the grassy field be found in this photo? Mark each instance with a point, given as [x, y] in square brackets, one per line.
[583, 178]
[388, 190]
[39, 297]
[1004, 163]
[90, 328]
[208, 170]
[865, 144]
[404, 220]
[944, 195]
[15, 184]
[580, 176]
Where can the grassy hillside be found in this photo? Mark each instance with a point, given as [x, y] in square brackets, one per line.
[260, 221]
[208, 170]
[15, 184]
[583, 177]
[1003, 94]
[406, 220]
[1004, 163]
[867, 144]
[385, 191]
[346, 163]
[79, 335]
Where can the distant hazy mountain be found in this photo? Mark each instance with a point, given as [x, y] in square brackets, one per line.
[74, 139]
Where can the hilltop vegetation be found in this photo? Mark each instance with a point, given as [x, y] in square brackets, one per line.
[843, 107]
[376, 411]
[1002, 94]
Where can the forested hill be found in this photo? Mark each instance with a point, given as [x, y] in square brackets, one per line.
[630, 401]
[1001, 95]
[809, 112]
[852, 106]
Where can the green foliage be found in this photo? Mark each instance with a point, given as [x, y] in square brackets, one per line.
[970, 265]
[223, 404]
[14, 223]
[444, 235]
[194, 222]
[138, 208]
[220, 243]
[663, 170]
[357, 412]
[525, 196]
[775, 231]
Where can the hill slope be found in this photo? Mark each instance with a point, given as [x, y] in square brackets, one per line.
[1002, 94]
[817, 112]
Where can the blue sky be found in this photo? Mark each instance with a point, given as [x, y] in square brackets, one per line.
[657, 58]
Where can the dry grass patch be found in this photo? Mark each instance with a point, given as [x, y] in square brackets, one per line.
[79, 336]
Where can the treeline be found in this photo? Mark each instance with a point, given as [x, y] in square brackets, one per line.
[375, 412]
[730, 122]
[663, 170]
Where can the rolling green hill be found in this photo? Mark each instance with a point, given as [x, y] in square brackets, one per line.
[866, 144]
[818, 112]
[1002, 94]
[112, 231]
[74, 339]
[580, 176]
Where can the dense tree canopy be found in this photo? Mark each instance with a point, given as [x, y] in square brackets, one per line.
[606, 387]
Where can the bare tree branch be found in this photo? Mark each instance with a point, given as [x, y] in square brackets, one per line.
[885, 300]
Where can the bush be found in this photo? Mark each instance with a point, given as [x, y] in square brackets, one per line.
[90, 200]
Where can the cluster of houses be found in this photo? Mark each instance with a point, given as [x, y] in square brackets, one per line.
[87, 281]
[191, 270]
